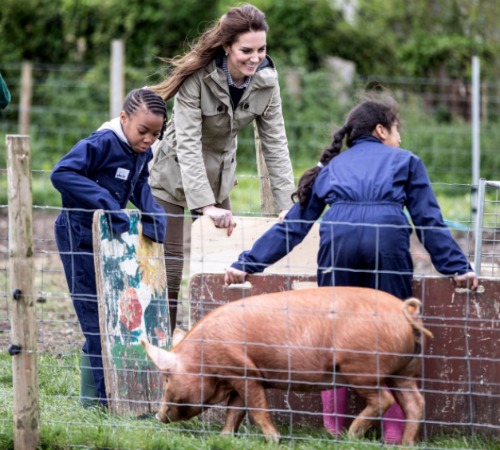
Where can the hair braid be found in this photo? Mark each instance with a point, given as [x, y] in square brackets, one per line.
[150, 100]
[307, 179]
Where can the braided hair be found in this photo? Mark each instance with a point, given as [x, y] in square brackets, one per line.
[361, 121]
[150, 100]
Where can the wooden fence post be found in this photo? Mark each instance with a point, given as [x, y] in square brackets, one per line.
[23, 304]
[117, 77]
[267, 205]
[26, 97]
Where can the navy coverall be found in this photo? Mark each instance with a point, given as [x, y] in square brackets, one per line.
[100, 172]
[365, 234]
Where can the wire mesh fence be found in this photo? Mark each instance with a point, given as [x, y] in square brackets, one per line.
[459, 377]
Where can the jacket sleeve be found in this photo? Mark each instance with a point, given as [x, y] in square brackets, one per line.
[281, 238]
[70, 177]
[188, 125]
[153, 218]
[446, 255]
[274, 144]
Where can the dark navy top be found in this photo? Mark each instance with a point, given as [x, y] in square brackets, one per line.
[366, 188]
[103, 172]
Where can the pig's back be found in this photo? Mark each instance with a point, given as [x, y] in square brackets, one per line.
[326, 317]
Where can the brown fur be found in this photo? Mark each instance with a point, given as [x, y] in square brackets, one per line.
[304, 340]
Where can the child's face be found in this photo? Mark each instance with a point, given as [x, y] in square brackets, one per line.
[393, 138]
[389, 136]
[141, 128]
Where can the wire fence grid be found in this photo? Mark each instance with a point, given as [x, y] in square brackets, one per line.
[70, 102]
[460, 367]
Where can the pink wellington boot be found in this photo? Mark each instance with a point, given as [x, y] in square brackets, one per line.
[393, 424]
[334, 410]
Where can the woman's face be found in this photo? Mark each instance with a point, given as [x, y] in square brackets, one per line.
[245, 55]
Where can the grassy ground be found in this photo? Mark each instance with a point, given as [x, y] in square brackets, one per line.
[65, 425]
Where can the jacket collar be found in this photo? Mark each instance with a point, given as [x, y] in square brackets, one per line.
[261, 79]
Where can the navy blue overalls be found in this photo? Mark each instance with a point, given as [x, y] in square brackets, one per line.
[365, 234]
[100, 172]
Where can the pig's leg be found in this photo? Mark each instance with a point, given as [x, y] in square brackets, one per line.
[412, 404]
[253, 395]
[235, 413]
[378, 401]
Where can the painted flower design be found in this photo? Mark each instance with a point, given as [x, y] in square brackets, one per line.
[130, 309]
[150, 261]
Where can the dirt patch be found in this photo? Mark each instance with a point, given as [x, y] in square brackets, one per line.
[58, 330]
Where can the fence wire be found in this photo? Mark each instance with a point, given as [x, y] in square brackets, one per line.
[460, 367]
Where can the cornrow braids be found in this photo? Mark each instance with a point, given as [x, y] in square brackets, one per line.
[307, 179]
[150, 100]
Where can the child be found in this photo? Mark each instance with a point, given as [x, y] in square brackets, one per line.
[364, 235]
[105, 171]
[5, 96]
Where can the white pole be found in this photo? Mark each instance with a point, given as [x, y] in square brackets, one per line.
[476, 150]
[117, 80]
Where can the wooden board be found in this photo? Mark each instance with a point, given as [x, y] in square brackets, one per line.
[133, 304]
[212, 251]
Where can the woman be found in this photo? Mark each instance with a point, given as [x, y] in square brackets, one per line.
[225, 82]
[364, 234]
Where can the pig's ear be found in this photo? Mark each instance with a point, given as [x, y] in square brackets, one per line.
[177, 336]
[161, 358]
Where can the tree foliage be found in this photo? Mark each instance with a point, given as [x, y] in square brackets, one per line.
[384, 37]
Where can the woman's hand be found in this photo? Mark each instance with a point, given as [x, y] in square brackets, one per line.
[234, 276]
[223, 218]
[466, 280]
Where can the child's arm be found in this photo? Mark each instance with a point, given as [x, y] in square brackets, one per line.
[71, 177]
[153, 219]
[281, 238]
[446, 255]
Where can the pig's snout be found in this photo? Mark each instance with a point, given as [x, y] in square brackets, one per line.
[162, 416]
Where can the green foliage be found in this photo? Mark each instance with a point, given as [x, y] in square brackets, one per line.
[301, 32]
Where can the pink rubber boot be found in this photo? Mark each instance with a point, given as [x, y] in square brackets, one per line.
[334, 410]
[393, 424]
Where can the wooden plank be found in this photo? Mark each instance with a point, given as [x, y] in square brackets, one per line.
[212, 251]
[133, 304]
[267, 204]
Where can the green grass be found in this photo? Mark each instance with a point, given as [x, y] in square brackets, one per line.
[64, 424]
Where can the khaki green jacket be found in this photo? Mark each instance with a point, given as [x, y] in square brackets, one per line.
[195, 163]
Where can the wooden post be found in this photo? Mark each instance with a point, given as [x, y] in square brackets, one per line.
[267, 205]
[117, 77]
[26, 97]
[22, 304]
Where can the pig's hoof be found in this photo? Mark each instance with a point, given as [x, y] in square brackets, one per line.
[273, 438]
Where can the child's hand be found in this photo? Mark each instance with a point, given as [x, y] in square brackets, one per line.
[234, 276]
[282, 214]
[466, 280]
